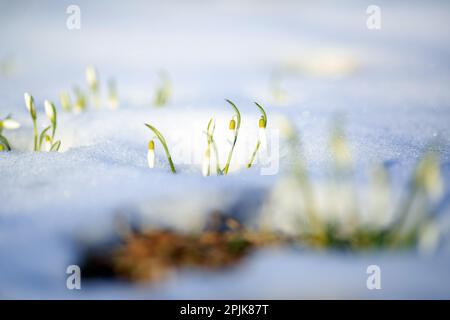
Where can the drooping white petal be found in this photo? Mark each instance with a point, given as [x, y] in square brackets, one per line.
[262, 137]
[231, 134]
[151, 158]
[10, 124]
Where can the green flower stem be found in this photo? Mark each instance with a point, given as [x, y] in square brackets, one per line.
[164, 144]
[249, 165]
[258, 144]
[230, 154]
[36, 134]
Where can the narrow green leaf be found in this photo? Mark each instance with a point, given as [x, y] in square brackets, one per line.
[4, 142]
[238, 114]
[263, 112]
[55, 146]
[164, 144]
[238, 125]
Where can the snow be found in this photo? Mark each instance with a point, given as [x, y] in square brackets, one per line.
[390, 86]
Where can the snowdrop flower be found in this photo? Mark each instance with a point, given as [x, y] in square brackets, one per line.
[164, 91]
[112, 94]
[262, 138]
[428, 176]
[151, 154]
[429, 238]
[151, 148]
[80, 100]
[232, 129]
[340, 149]
[9, 124]
[29, 103]
[91, 78]
[50, 110]
[206, 163]
[65, 101]
[262, 132]
[93, 83]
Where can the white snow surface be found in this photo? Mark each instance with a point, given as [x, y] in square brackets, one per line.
[395, 101]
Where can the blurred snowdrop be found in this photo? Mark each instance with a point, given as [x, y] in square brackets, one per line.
[65, 101]
[50, 111]
[8, 124]
[112, 94]
[29, 104]
[206, 164]
[163, 91]
[428, 176]
[429, 238]
[92, 78]
[379, 210]
[93, 84]
[340, 149]
[43, 140]
[328, 213]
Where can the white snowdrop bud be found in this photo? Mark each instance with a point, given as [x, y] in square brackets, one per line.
[262, 133]
[50, 110]
[91, 78]
[206, 163]
[428, 176]
[232, 129]
[9, 124]
[151, 154]
[29, 103]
